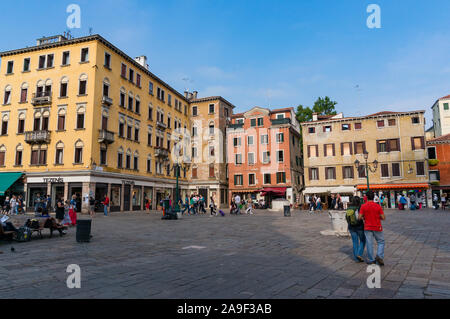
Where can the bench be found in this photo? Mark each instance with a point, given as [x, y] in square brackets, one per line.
[49, 223]
[6, 234]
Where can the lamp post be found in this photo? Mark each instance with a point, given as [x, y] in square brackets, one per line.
[368, 167]
[176, 167]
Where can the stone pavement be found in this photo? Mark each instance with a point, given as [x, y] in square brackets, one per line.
[261, 256]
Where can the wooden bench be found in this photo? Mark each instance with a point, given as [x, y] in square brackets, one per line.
[49, 223]
[6, 234]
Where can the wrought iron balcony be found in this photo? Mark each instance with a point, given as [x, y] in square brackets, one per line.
[161, 125]
[41, 98]
[236, 125]
[37, 137]
[281, 121]
[106, 137]
[107, 100]
[161, 152]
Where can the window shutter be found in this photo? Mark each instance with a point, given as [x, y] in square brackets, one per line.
[352, 172]
[364, 147]
[309, 151]
[325, 150]
[342, 149]
[317, 150]
[422, 142]
[334, 150]
[343, 172]
[378, 147]
[310, 173]
[334, 172]
[438, 173]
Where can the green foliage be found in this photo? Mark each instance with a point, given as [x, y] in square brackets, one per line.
[433, 162]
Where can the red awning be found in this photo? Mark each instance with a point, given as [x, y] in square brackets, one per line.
[394, 186]
[280, 191]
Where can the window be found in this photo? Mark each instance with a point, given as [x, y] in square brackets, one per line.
[211, 151]
[360, 147]
[265, 139]
[251, 158]
[131, 75]
[327, 128]
[280, 116]
[347, 172]
[5, 120]
[211, 109]
[361, 171]
[420, 168]
[446, 107]
[395, 169]
[136, 134]
[149, 164]
[138, 80]
[45, 122]
[280, 137]
[149, 139]
[10, 67]
[238, 159]
[129, 131]
[194, 131]
[280, 156]
[24, 93]
[78, 152]
[66, 58]
[84, 55]
[120, 159]
[80, 121]
[346, 127]
[38, 156]
[108, 60]
[250, 140]
[329, 150]
[380, 123]
[239, 121]
[346, 149]
[330, 172]
[19, 155]
[123, 71]
[253, 122]
[59, 156]
[394, 145]
[311, 130]
[314, 174]
[121, 129]
[358, 126]
[150, 88]
[212, 173]
[251, 179]
[435, 176]
[2, 155]
[415, 120]
[130, 102]
[136, 161]
[267, 178]
[391, 122]
[50, 59]
[63, 87]
[281, 177]
[7, 97]
[266, 157]
[211, 129]
[194, 152]
[384, 170]
[122, 98]
[261, 121]
[194, 111]
[313, 150]
[83, 85]
[238, 180]
[150, 112]
[418, 143]
[382, 146]
[194, 172]
[42, 61]
[128, 160]
[21, 125]
[26, 65]
[138, 106]
[237, 141]
[103, 156]
[431, 152]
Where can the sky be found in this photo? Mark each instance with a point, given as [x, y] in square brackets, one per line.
[267, 53]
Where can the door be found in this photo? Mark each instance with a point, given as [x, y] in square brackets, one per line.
[204, 193]
[127, 199]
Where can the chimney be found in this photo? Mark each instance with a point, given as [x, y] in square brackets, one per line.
[142, 60]
[194, 95]
[315, 116]
[186, 94]
[190, 96]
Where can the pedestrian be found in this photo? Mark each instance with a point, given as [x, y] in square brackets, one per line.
[105, 204]
[6, 206]
[435, 201]
[412, 200]
[37, 205]
[356, 229]
[73, 210]
[403, 202]
[13, 205]
[372, 215]
[66, 221]
[48, 203]
[249, 210]
[237, 201]
[318, 203]
[339, 203]
[20, 206]
[91, 206]
[202, 204]
[443, 201]
[212, 207]
[60, 213]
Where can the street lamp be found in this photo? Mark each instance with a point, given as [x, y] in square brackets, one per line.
[369, 167]
[176, 167]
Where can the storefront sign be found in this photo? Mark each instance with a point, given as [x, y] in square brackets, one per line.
[128, 183]
[54, 180]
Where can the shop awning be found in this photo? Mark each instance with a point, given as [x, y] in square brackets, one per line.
[395, 186]
[280, 191]
[317, 190]
[236, 191]
[6, 180]
[343, 190]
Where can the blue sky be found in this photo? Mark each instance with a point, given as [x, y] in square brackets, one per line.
[268, 53]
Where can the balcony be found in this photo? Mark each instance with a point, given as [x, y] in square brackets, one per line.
[106, 137]
[236, 125]
[106, 100]
[37, 137]
[281, 121]
[161, 152]
[161, 125]
[41, 98]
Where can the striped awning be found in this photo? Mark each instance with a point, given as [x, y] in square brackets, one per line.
[395, 186]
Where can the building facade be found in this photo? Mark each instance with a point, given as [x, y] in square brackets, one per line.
[264, 155]
[80, 117]
[441, 116]
[439, 163]
[209, 118]
[396, 140]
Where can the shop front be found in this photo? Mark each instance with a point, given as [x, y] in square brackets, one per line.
[392, 192]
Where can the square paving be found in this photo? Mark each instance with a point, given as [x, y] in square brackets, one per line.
[264, 255]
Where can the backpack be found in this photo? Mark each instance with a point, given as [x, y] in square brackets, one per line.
[351, 216]
[23, 234]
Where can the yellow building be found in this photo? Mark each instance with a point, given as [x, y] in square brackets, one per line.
[396, 140]
[81, 117]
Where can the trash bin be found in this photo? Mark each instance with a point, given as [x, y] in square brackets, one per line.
[287, 211]
[84, 230]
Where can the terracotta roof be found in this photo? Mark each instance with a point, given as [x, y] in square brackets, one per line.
[211, 98]
[383, 113]
[286, 109]
[352, 118]
[443, 138]
[445, 97]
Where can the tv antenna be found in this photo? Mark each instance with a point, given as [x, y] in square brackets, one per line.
[90, 30]
[358, 92]
[187, 82]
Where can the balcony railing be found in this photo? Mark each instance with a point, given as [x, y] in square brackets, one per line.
[161, 125]
[106, 137]
[281, 121]
[107, 100]
[41, 98]
[37, 137]
[236, 125]
[161, 152]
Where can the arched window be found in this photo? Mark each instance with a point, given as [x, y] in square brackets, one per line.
[138, 104]
[80, 117]
[45, 120]
[79, 145]
[2, 155]
[19, 155]
[123, 94]
[7, 97]
[5, 120]
[24, 92]
[128, 159]
[82, 88]
[136, 161]
[59, 157]
[61, 126]
[48, 87]
[211, 128]
[149, 163]
[130, 101]
[37, 121]
[21, 123]
[106, 86]
[120, 158]
[64, 86]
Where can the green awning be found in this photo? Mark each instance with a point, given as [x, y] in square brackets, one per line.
[6, 180]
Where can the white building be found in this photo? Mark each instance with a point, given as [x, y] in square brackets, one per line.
[441, 116]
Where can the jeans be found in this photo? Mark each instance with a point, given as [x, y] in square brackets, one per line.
[379, 237]
[359, 242]
[186, 208]
[105, 209]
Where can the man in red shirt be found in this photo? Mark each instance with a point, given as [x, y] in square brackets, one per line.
[105, 205]
[373, 214]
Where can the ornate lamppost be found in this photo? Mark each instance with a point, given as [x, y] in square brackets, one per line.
[368, 167]
[177, 167]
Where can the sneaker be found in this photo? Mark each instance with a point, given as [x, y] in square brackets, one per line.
[360, 259]
[379, 260]
[371, 262]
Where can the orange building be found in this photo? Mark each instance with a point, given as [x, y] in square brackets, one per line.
[264, 155]
[439, 163]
